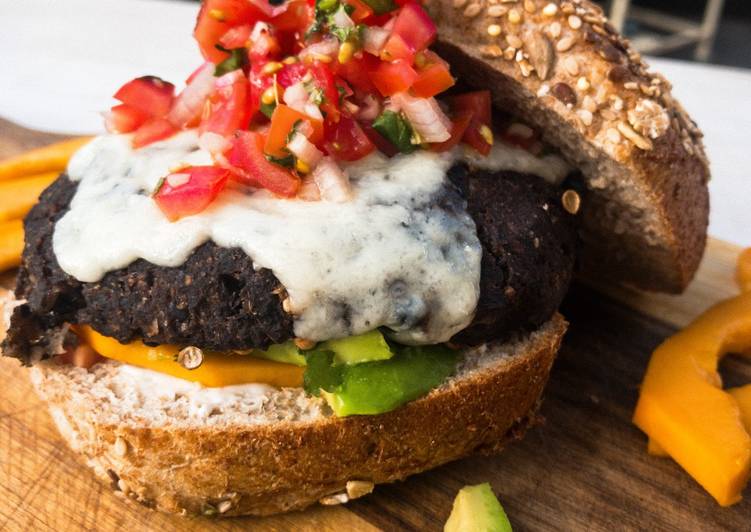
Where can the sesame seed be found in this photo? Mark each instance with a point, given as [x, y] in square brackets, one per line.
[224, 506]
[514, 41]
[571, 201]
[526, 68]
[639, 141]
[589, 104]
[613, 135]
[574, 22]
[529, 6]
[121, 447]
[544, 90]
[550, 10]
[497, 11]
[514, 17]
[472, 10]
[565, 43]
[358, 488]
[555, 30]
[519, 56]
[582, 84]
[494, 30]
[332, 500]
[607, 114]
[509, 52]
[571, 66]
[585, 116]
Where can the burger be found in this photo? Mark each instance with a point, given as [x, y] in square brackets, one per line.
[334, 259]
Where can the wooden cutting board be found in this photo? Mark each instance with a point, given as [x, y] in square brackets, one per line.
[585, 468]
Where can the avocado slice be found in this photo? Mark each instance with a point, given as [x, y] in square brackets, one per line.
[476, 509]
[287, 352]
[378, 386]
[360, 348]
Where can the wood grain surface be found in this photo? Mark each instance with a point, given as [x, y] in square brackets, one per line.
[586, 468]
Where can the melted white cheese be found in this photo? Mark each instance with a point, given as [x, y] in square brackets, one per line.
[402, 254]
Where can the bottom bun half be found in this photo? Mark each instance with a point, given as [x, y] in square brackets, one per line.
[256, 450]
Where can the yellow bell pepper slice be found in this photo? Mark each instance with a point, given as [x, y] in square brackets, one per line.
[18, 196]
[217, 369]
[683, 408]
[46, 159]
[11, 244]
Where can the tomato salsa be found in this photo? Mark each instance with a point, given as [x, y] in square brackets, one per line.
[291, 89]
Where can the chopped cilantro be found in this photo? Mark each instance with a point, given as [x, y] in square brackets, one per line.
[268, 108]
[381, 6]
[238, 58]
[286, 162]
[396, 129]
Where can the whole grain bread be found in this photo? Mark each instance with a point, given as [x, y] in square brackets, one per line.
[563, 69]
[282, 450]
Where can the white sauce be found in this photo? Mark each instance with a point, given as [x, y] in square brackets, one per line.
[202, 401]
[394, 256]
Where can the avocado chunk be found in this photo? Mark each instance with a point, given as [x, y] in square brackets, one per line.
[287, 352]
[476, 509]
[378, 386]
[360, 348]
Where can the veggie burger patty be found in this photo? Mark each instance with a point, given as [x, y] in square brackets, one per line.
[218, 300]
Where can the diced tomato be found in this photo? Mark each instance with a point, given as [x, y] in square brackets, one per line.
[259, 82]
[291, 74]
[124, 118]
[415, 27]
[432, 79]
[254, 169]
[215, 18]
[480, 105]
[228, 108]
[391, 78]
[459, 126]
[397, 48]
[297, 17]
[323, 79]
[362, 10]
[190, 190]
[149, 94]
[346, 141]
[236, 37]
[383, 145]
[282, 122]
[357, 71]
[152, 131]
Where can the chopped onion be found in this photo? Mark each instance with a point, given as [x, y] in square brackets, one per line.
[189, 104]
[332, 181]
[258, 30]
[342, 20]
[309, 190]
[370, 108]
[425, 116]
[328, 47]
[297, 97]
[374, 38]
[304, 150]
[214, 143]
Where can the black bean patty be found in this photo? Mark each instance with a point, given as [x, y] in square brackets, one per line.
[218, 300]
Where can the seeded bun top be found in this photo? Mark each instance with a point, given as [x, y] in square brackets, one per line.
[563, 69]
